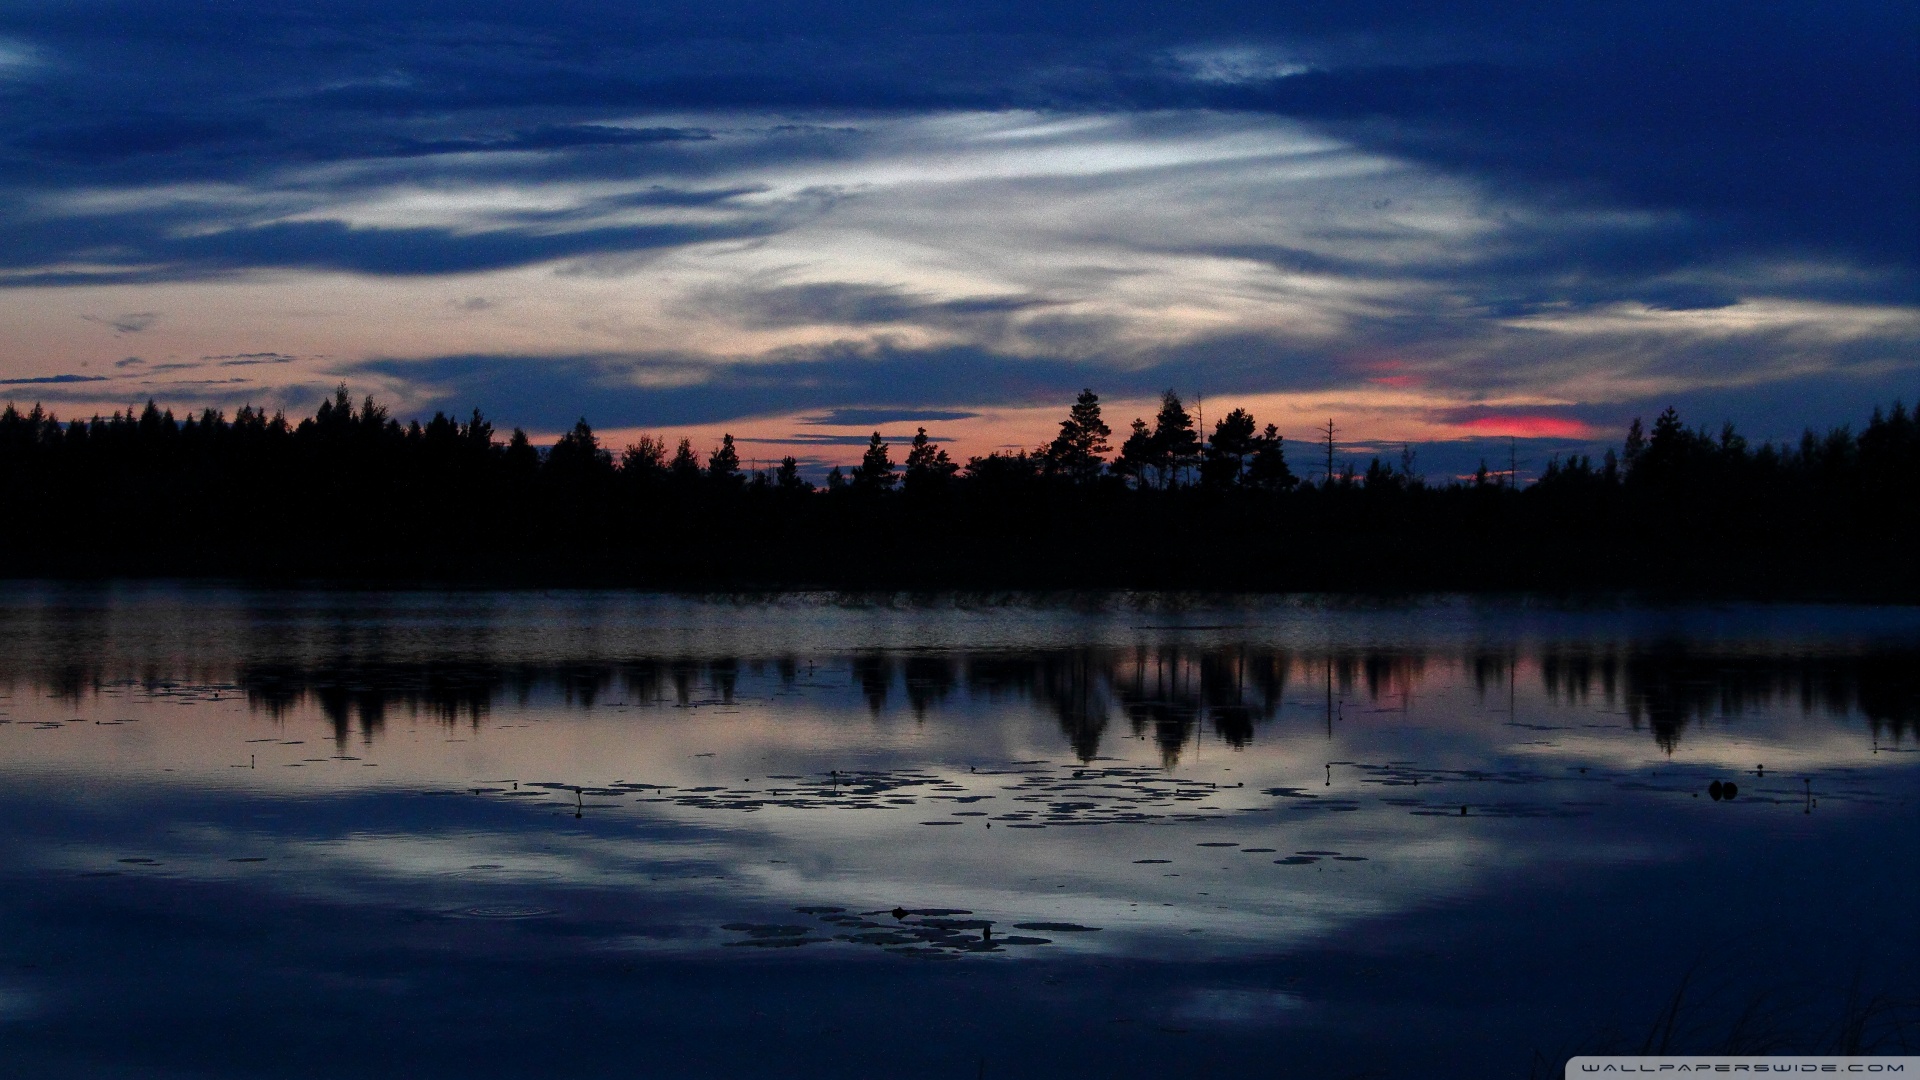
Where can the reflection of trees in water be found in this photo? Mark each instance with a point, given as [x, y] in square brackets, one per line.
[358, 696]
[1492, 670]
[929, 680]
[873, 671]
[1070, 683]
[1171, 694]
[1571, 675]
[1174, 692]
[1667, 688]
[1888, 693]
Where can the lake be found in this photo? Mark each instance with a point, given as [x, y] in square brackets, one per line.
[286, 833]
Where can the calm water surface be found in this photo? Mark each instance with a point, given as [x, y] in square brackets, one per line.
[265, 834]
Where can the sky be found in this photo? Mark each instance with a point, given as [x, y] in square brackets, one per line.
[1441, 225]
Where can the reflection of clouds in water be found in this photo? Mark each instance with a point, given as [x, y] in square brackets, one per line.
[705, 736]
[15, 1004]
[1227, 1006]
[651, 860]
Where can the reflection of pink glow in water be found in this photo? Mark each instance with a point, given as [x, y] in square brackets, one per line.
[1529, 427]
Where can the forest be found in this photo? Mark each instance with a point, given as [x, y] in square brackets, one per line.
[353, 494]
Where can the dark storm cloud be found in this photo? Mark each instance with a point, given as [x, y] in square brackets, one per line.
[1773, 126]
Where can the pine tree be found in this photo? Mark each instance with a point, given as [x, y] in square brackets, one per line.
[1635, 446]
[876, 468]
[1175, 446]
[685, 467]
[723, 465]
[478, 433]
[521, 457]
[787, 477]
[1080, 449]
[645, 459]
[1229, 451]
[1268, 469]
[1136, 458]
[578, 453]
[928, 466]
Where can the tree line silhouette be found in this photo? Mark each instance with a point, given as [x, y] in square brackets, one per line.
[352, 493]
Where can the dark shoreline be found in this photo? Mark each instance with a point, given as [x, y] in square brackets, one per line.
[1142, 598]
[351, 496]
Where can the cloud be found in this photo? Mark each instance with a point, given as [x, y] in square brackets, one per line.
[805, 438]
[842, 303]
[872, 417]
[50, 380]
[849, 379]
[250, 359]
[1783, 125]
[1529, 424]
[135, 135]
[131, 323]
[550, 137]
[17, 59]
[674, 391]
[699, 212]
[333, 245]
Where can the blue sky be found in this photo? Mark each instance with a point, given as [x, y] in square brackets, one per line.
[1440, 224]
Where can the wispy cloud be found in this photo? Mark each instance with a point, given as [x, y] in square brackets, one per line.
[131, 323]
[866, 417]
